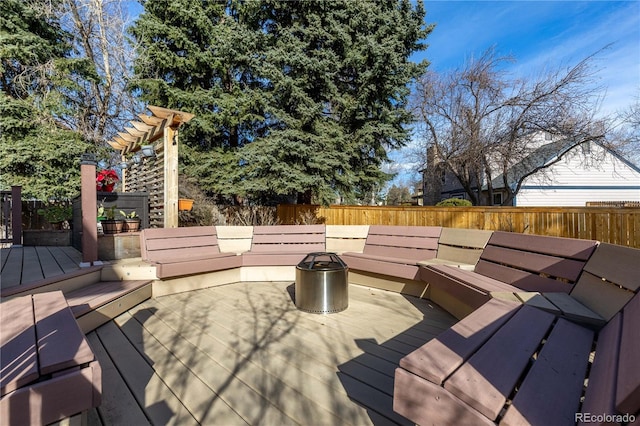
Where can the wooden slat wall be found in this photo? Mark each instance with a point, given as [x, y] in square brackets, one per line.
[619, 226]
[148, 176]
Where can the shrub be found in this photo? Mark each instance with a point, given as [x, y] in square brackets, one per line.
[454, 202]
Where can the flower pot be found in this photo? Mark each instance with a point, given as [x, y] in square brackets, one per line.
[131, 225]
[185, 204]
[112, 226]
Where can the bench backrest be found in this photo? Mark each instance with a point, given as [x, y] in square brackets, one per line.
[288, 239]
[234, 239]
[342, 238]
[462, 245]
[171, 244]
[407, 242]
[534, 262]
[609, 279]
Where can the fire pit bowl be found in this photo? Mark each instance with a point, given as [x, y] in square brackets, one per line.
[322, 284]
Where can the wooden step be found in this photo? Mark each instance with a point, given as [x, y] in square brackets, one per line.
[66, 283]
[99, 303]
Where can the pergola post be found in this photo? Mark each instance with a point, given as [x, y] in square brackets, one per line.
[170, 177]
[89, 210]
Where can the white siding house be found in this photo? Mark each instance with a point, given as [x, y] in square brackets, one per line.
[588, 172]
[585, 173]
[580, 177]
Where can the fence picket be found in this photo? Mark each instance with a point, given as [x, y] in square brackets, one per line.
[616, 225]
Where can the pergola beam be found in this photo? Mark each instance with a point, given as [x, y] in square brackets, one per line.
[162, 122]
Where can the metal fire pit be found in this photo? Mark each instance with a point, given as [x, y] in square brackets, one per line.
[322, 284]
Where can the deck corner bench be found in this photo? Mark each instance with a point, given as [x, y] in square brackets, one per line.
[49, 371]
[459, 247]
[512, 363]
[184, 251]
[395, 250]
[510, 262]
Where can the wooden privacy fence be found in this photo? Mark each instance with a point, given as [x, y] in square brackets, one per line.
[611, 225]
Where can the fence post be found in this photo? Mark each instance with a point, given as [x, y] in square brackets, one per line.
[89, 210]
[16, 215]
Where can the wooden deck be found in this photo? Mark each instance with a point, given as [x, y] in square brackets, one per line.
[243, 354]
[27, 265]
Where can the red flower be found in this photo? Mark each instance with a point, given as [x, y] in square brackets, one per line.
[106, 179]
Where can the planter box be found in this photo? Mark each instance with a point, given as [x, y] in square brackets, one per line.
[46, 237]
[119, 246]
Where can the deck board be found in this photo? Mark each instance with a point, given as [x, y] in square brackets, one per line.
[28, 265]
[118, 404]
[31, 269]
[159, 404]
[11, 268]
[48, 263]
[247, 347]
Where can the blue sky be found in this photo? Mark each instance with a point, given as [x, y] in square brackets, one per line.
[539, 35]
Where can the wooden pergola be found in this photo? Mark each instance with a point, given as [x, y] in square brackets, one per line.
[158, 174]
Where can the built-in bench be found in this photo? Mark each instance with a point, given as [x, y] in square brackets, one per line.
[185, 251]
[395, 250]
[513, 363]
[49, 372]
[283, 245]
[510, 262]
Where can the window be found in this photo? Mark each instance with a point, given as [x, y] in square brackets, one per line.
[497, 199]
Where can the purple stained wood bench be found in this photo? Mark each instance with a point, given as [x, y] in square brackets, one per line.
[513, 363]
[395, 250]
[283, 245]
[185, 251]
[49, 372]
[510, 262]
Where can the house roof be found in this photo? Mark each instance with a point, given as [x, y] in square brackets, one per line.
[545, 155]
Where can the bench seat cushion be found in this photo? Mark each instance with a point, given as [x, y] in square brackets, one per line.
[211, 263]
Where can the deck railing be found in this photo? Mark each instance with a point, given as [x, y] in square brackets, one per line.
[612, 225]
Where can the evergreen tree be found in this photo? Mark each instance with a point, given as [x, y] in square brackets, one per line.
[292, 98]
[36, 151]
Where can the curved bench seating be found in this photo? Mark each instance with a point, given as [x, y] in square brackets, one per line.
[509, 362]
[510, 262]
[534, 310]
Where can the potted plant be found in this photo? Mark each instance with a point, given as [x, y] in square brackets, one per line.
[185, 204]
[106, 180]
[131, 221]
[101, 214]
[111, 225]
[56, 214]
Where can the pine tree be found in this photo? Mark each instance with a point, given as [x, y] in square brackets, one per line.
[293, 99]
[36, 151]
